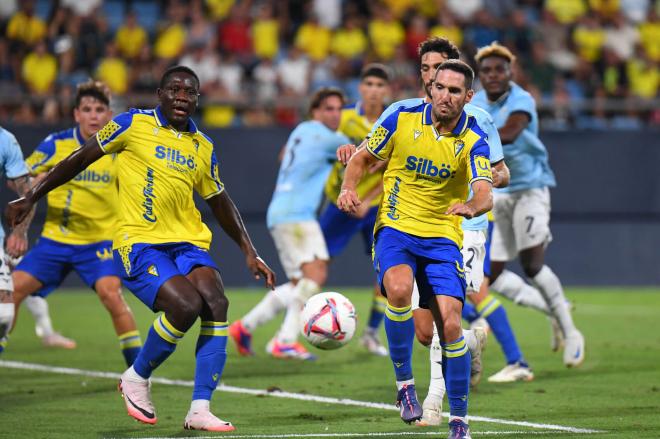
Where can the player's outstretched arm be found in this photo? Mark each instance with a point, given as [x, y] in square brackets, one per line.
[17, 243]
[513, 126]
[501, 174]
[348, 200]
[64, 171]
[480, 203]
[230, 220]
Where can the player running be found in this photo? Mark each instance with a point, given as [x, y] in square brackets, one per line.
[160, 245]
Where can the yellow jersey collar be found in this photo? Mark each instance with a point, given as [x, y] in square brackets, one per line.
[161, 120]
[427, 119]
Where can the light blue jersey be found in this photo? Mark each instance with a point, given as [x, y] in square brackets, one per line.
[526, 157]
[12, 164]
[308, 158]
[485, 122]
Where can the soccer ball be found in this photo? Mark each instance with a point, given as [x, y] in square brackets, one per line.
[328, 320]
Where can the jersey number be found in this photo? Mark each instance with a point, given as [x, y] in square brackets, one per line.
[473, 253]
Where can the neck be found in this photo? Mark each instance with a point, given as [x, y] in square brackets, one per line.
[445, 125]
[83, 135]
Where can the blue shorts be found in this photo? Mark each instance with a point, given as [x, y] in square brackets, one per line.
[147, 267]
[50, 261]
[489, 236]
[436, 263]
[339, 227]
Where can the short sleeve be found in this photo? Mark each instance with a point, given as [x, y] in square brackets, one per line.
[479, 166]
[14, 163]
[379, 143]
[493, 137]
[522, 103]
[208, 183]
[41, 159]
[114, 135]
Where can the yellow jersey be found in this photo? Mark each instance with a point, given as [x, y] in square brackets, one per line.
[428, 171]
[157, 169]
[355, 126]
[83, 210]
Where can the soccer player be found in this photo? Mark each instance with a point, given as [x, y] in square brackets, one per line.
[161, 245]
[80, 220]
[522, 210]
[308, 158]
[435, 151]
[12, 165]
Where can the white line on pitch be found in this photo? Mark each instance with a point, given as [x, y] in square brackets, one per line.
[279, 394]
[330, 435]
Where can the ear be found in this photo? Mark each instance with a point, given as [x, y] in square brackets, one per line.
[469, 95]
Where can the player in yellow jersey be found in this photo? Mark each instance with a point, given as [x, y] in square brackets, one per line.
[160, 245]
[79, 223]
[435, 151]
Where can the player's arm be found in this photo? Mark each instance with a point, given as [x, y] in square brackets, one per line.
[17, 242]
[514, 125]
[230, 220]
[501, 174]
[480, 203]
[64, 171]
[348, 200]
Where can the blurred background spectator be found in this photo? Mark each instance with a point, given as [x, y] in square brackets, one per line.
[591, 64]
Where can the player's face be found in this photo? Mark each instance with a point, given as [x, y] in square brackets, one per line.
[373, 90]
[178, 98]
[429, 64]
[449, 95]
[91, 115]
[329, 112]
[495, 74]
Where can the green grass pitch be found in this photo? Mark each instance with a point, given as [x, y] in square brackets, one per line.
[616, 391]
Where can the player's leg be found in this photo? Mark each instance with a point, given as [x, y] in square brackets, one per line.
[109, 291]
[151, 274]
[305, 259]
[6, 301]
[395, 266]
[211, 351]
[38, 274]
[532, 226]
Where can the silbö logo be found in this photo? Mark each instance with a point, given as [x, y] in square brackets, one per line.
[174, 157]
[426, 168]
[148, 192]
[93, 177]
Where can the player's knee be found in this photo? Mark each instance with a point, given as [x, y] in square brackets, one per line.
[532, 268]
[218, 307]
[423, 336]
[399, 292]
[186, 309]
[451, 329]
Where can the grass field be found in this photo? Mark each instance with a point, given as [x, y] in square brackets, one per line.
[616, 391]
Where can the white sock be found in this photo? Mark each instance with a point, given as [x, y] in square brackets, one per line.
[304, 289]
[437, 383]
[272, 304]
[38, 307]
[131, 375]
[400, 384]
[470, 339]
[6, 318]
[200, 405]
[550, 287]
[513, 287]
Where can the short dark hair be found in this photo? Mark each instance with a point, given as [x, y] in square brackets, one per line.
[177, 69]
[440, 45]
[322, 94]
[376, 70]
[94, 89]
[459, 66]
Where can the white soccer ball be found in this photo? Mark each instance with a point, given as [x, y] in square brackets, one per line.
[328, 320]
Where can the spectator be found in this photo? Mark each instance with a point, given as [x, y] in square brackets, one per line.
[621, 38]
[220, 9]
[39, 70]
[518, 34]
[649, 35]
[25, 28]
[589, 38]
[313, 39]
[418, 31]
[385, 34]
[171, 39]
[447, 28]
[566, 12]
[464, 10]
[199, 29]
[643, 76]
[204, 62]
[328, 12]
[234, 33]
[82, 8]
[113, 70]
[130, 37]
[265, 77]
[482, 31]
[265, 33]
[293, 73]
[635, 11]
[349, 42]
[230, 77]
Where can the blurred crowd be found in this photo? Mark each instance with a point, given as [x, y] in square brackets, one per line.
[590, 63]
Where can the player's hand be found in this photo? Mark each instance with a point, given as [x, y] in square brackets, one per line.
[259, 268]
[461, 209]
[345, 152]
[348, 201]
[17, 211]
[497, 177]
[17, 244]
